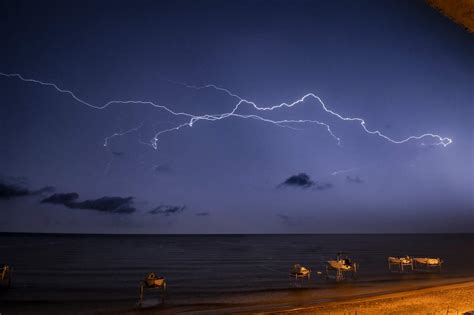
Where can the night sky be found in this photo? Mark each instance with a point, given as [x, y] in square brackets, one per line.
[400, 65]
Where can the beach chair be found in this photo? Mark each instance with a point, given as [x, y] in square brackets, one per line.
[299, 271]
[152, 283]
[400, 262]
[427, 264]
[338, 267]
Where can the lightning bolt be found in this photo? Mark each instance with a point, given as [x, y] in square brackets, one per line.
[444, 141]
[193, 119]
[347, 170]
[123, 133]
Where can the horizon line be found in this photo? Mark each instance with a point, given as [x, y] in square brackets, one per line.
[229, 234]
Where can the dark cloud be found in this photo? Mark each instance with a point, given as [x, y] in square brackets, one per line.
[117, 154]
[12, 187]
[44, 190]
[301, 180]
[62, 199]
[107, 204]
[104, 204]
[167, 210]
[202, 214]
[8, 191]
[354, 179]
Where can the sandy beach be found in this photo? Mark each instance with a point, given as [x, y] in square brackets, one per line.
[448, 296]
[444, 299]
[455, 296]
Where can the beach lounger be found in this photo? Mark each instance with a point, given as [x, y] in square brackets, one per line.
[339, 267]
[400, 262]
[427, 264]
[154, 284]
[299, 271]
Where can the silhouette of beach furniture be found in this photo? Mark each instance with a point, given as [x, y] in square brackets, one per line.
[299, 271]
[154, 284]
[338, 267]
[427, 264]
[400, 262]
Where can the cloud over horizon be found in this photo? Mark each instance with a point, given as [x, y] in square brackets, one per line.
[13, 187]
[304, 181]
[104, 204]
[301, 180]
[167, 210]
[11, 191]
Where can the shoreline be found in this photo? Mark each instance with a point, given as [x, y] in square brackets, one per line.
[457, 297]
[433, 297]
[419, 296]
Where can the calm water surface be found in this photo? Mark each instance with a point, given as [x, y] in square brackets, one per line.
[109, 267]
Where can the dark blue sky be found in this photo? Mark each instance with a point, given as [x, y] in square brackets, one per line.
[400, 65]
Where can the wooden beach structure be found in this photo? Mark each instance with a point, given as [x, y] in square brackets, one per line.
[152, 284]
[299, 271]
[5, 277]
[400, 263]
[427, 264]
[339, 267]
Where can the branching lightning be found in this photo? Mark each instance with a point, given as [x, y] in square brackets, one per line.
[193, 119]
[122, 133]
